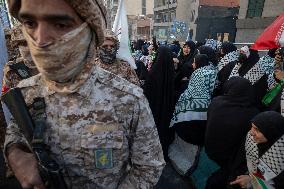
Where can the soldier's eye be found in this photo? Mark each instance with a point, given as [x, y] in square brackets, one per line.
[62, 26]
[29, 24]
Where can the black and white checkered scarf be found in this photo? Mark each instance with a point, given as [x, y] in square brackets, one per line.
[271, 163]
[230, 57]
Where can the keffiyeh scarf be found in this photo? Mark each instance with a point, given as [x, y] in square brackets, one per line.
[211, 43]
[271, 163]
[230, 57]
[194, 102]
[267, 63]
[253, 75]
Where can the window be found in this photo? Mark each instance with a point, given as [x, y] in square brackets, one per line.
[173, 16]
[255, 8]
[144, 7]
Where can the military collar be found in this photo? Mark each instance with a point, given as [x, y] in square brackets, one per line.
[86, 89]
[76, 84]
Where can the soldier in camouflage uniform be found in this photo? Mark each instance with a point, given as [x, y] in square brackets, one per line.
[13, 53]
[107, 59]
[99, 126]
[22, 67]
[19, 67]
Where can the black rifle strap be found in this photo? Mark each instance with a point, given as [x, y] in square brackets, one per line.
[39, 118]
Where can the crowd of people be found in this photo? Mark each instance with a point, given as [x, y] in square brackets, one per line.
[209, 96]
[211, 110]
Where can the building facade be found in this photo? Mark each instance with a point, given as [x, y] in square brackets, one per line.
[139, 15]
[255, 16]
[111, 6]
[164, 16]
[141, 27]
[195, 19]
[216, 22]
[213, 19]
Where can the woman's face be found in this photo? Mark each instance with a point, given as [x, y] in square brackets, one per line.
[186, 50]
[258, 137]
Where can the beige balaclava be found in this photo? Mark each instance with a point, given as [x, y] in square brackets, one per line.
[61, 61]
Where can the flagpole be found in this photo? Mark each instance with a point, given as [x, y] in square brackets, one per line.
[120, 28]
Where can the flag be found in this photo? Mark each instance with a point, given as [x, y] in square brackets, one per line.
[272, 37]
[120, 28]
[3, 53]
[3, 61]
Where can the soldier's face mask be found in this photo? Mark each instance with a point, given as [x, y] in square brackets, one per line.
[61, 60]
[242, 58]
[25, 53]
[107, 55]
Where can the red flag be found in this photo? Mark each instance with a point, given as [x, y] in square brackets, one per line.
[272, 37]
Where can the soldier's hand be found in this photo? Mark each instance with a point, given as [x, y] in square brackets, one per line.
[25, 167]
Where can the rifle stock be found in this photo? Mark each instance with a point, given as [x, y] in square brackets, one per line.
[50, 171]
[16, 104]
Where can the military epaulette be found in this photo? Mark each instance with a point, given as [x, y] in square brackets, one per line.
[32, 81]
[118, 83]
[21, 69]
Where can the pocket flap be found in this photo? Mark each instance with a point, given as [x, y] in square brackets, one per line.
[106, 139]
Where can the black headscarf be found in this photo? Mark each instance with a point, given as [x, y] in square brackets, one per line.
[145, 51]
[239, 91]
[211, 53]
[228, 47]
[201, 60]
[187, 59]
[159, 90]
[139, 44]
[251, 61]
[228, 121]
[141, 72]
[271, 52]
[271, 125]
[185, 68]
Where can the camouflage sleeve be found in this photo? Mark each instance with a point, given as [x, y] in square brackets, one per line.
[132, 77]
[146, 152]
[10, 77]
[130, 74]
[14, 136]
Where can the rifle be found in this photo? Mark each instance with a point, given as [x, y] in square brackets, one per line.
[33, 130]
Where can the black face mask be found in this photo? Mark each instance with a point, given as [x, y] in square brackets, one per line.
[242, 58]
[107, 55]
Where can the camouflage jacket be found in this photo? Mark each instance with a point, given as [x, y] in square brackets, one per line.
[122, 69]
[16, 71]
[103, 135]
[11, 77]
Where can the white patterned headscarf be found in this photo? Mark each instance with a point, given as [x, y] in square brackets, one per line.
[270, 162]
[194, 102]
[211, 43]
[230, 57]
